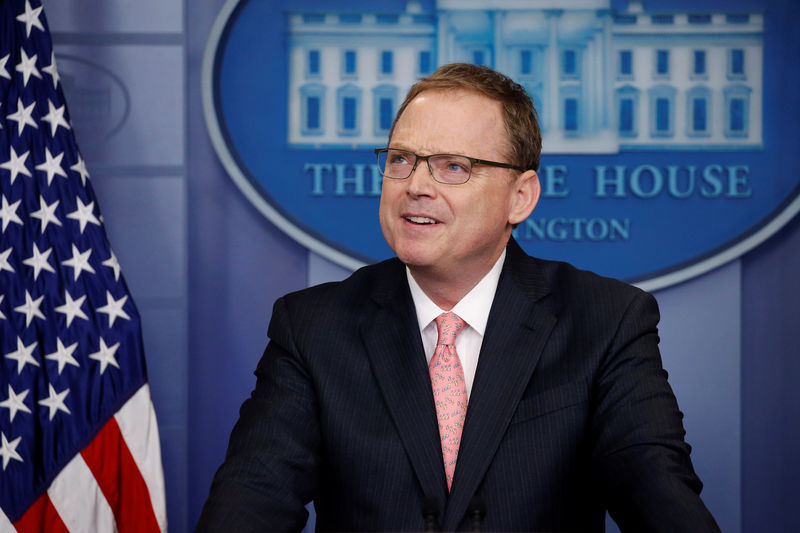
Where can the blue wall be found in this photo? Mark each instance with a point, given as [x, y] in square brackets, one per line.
[205, 267]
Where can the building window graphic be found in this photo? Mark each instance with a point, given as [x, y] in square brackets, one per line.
[699, 64]
[349, 64]
[313, 65]
[387, 18]
[535, 92]
[313, 107]
[662, 116]
[571, 110]
[699, 18]
[387, 62]
[626, 19]
[385, 111]
[627, 100]
[605, 76]
[662, 64]
[737, 104]
[626, 115]
[698, 108]
[425, 62]
[737, 113]
[571, 115]
[699, 120]
[525, 62]
[385, 99]
[662, 104]
[349, 114]
[569, 64]
[625, 66]
[348, 103]
[736, 64]
[312, 97]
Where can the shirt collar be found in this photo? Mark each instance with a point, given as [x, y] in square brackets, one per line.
[473, 308]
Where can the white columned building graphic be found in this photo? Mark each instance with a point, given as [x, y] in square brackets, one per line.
[603, 80]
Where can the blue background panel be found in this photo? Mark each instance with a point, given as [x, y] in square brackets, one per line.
[206, 305]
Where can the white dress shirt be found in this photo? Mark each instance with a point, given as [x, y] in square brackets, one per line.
[473, 309]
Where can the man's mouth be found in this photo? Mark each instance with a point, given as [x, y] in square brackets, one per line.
[421, 220]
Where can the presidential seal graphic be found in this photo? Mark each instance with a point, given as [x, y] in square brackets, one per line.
[666, 152]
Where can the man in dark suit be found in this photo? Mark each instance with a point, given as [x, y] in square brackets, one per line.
[548, 407]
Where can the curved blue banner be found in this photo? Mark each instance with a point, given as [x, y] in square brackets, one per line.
[670, 135]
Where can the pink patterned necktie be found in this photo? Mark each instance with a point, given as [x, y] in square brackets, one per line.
[449, 390]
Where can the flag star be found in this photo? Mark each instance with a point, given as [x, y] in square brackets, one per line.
[15, 402]
[8, 212]
[55, 401]
[39, 261]
[52, 70]
[2, 316]
[79, 261]
[4, 264]
[27, 65]
[3, 71]
[72, 308]
[8, 450]
[113, 308]
[23, 355]
[22, 116]
[83, 214]
[63, 355]
[31, 18]
[113, 264]
[55, 117]
[46, 213]
[80, 168]
[30, 308]
[105, 355]
[52, 165]
[16, 164]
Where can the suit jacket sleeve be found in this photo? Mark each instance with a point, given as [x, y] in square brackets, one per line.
[640, 454]
[271, 467]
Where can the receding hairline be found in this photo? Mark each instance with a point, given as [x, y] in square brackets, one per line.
[457, 91]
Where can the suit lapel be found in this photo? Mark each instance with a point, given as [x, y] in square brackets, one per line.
[516, 333]
[392, 340]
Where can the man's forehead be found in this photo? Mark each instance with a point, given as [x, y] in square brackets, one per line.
[455, 94]
[441, 120]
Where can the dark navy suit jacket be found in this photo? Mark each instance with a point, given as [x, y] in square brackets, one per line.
[570, 414]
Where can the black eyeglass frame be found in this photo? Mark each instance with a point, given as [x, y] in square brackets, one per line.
[417, 158]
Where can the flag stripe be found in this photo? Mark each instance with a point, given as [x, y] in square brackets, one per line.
[79, 500]
[41, 517]
[137, 423]
[5, 523]
[122, 484]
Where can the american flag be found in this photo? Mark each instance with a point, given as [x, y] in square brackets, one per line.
[79, 447]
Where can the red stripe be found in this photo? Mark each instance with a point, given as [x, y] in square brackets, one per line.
[112, 464]
[41, 517]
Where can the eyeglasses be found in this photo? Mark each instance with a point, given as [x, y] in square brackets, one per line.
[449, 169]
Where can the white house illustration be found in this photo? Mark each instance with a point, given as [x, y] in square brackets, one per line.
[603, 81]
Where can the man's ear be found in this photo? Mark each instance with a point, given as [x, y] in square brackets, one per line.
[525, 196]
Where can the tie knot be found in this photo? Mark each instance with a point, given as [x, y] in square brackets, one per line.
[449, 325]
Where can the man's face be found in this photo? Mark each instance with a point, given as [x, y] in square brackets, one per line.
[452, 231]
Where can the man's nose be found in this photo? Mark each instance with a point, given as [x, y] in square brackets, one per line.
[421, 182]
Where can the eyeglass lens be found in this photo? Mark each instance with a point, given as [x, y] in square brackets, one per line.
[399, 164]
